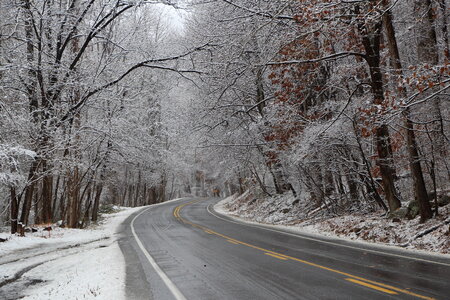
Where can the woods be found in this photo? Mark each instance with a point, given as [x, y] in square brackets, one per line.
[80, 107]
[342, 104]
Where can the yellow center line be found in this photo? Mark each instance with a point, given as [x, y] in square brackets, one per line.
[276, 256]
[233, 242]
[371, 286]
[176, 211]
[287, 257]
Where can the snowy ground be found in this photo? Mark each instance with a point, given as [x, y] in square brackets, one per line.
[65, 264]
[371, 227]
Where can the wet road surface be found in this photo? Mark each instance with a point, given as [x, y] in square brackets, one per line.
[185, 250]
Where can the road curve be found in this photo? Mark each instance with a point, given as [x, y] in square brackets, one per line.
[185, 250]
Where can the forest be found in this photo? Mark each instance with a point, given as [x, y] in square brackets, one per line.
[343, 104]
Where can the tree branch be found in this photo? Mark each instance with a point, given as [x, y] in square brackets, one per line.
[145, 63]
[314, 60]
[259, 13]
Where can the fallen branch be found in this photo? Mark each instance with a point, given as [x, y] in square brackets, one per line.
[425, 232]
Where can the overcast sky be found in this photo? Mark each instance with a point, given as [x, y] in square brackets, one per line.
[175, 17]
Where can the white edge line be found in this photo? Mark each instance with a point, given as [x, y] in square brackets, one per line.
[170, 285]
[263, 226]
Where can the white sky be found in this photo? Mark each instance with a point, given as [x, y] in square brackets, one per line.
[175, 17]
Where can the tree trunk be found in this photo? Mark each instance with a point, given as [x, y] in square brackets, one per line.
[420, 191]
[260, 181]
[370, 183]
[260, 91]
[33, 105]
[55, 197]
[144, 194]
[87, 207]
[29, 191]
[62, 197]
[130, 194]
[124, 188]
[162, 189]
[14, 212]
[371, 43]
[137, 195]
[98, 193]
[327, 182]
[37, 204]
[281, 184]
[241, 184]
[352, 187]
[47, 191]
[428, 53]
[444, 11]
[73, 199]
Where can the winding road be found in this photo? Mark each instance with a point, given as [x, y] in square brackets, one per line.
[185, 250]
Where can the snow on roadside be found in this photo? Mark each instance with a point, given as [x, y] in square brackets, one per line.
[96, 273]
[68, 264]
[64, 236]
[370, 227]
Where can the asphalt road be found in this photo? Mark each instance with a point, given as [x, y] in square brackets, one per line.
[185, 250]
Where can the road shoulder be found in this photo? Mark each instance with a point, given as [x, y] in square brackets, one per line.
[431, 257]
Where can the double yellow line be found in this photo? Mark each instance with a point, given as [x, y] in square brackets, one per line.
[176, 211]
[386, 288]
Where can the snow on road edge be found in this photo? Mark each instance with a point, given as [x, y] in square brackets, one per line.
[317, 231]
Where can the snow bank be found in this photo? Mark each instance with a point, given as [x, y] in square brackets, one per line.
[65, 236]
[287, 212]
[65, 264]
